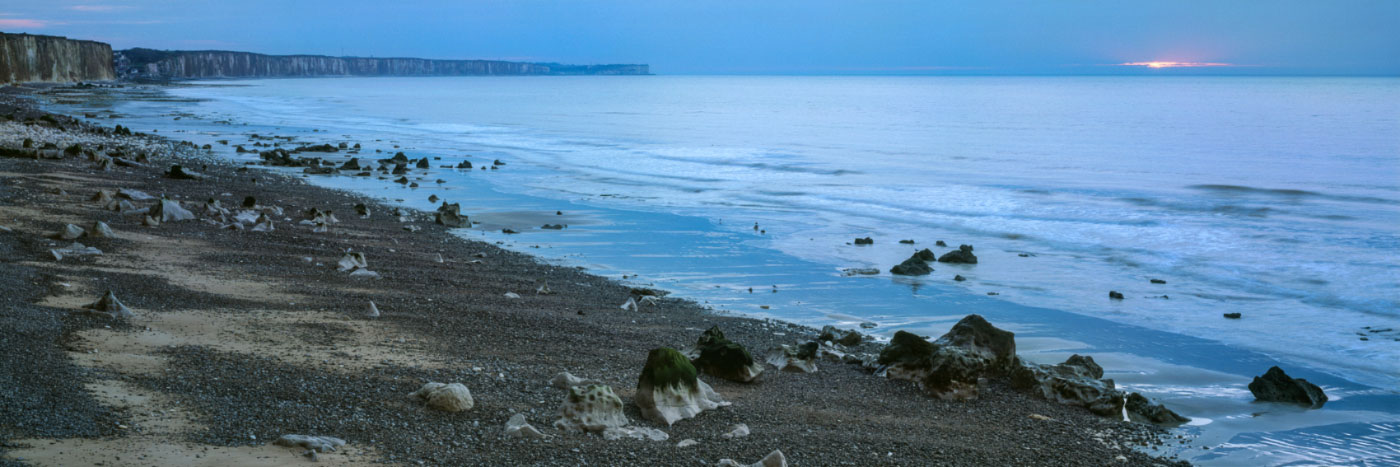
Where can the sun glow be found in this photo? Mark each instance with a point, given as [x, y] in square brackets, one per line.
[1167, 64]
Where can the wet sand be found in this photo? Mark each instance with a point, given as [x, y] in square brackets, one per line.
[240, 337]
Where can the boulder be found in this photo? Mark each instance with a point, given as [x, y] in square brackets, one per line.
[773, 459]
[180, 173]
[736, 431]
[1233, 316]
[912, 267]
[591, 409]
[262, 224]
[865, 241]
[1113, 294]
[962, 255]
[839, 336]
[1075, 382]
[352, 261]
[445, 397]
[723, 358]
[518, 427]
[451, 215]
[1144, 411]
[109, 307]
[170, 211]
[1277, 386]
[362, 210]
[566, 380]
[974, 334]
[860, 271]
[799, 359]
[101, 230]
[314, 443]
[422, 163]
[668, 390]
[68, 232]
[925, 255]
[352, 164]
[372, 312]
[134, 195]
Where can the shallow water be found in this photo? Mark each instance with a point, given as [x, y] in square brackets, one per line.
[1275, 198]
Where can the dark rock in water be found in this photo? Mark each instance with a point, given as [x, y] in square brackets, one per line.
[907, 242]
[723, 358]
[352, 164]
[553, 226]
[450, 215]
[399, 158]
[508, 231]
[977, 335]
[962, 255]
[317, 148]
[423, 163]
[1276, 386]
[464, 165]
[413, 185]
[318, 171]
[939, 243]
[1157, 281]
[179, 173]
[959, 278]
[400, 169]
[925, 255]
[433, 198]
[1142, 410]
[401, 180]
[912, 267]
[1233, 315]
[1075, 382]
[343, 146]
[865, 241]
[249, 202]
[839, 336]
[1115, 295]
[498, 162]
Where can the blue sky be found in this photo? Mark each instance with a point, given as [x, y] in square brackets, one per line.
[784, 37]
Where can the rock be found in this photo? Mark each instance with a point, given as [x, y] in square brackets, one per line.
[543, 289]
[685, 443]
[723, 358]
[1142, 410]
[865, 241]
[1277, 386]
[949, 367]
[451, 215]
[634, 432]
[802, 358]
[250, 202]
[314, 443]
[422, 163]
[591, 409]
[517, 427]
[912, 267]
[373, 311]
[860, 271]
[362, 210]
[978, 336]
[1233, 315]
[773, 459]
[962, 255]
[512, 295]
[1036, 416]
[68, 232]
[840, 336]
[180, 173]
[959, 278]
[1115, 295]
[352, 261]
[629, 305]
[74, 249]
[433, 198]
[907, 242]
[925, 255]
[668, 390]
[1157, 281]
[566, 380]
[109, 307]
[100, 230]
[1075, 382]
[939, 243]
[170, 211]
[102, 197]
[352, 164]
[736, 431]
[552, 226]
[149, 221]
[464, 165]
[445, 397]
[263, 224]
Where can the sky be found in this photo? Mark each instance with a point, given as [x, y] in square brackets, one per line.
[1325, 37]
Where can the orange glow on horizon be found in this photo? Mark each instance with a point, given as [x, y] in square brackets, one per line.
[1169, 64]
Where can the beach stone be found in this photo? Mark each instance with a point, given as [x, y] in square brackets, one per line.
[1075, 382]
[314, 443]
[149, 221]
[1157, 281]
[109, 307]
[685, 443]
[170, 211]
[974, 334]
[723, 358]
[74, 249]
[352, 261]
[1140, 409]
[512, 295]
[566, 380]
[352, 164]
[773, 459]
[263, 224]
[962, 255]
[452, 397]
[362, 210]
[451, 215]
[102, 197]
[180, 173]
[422, 163]
[839, 336]
[68, 232]
[802, 358]
[635, 432]
[518, 427]
[629, 305]
[739, 430]
[591, 409]
[1277, 386]
[134, 195]
[959, 278]
[372, 312]
[912, 267]
[668, 390]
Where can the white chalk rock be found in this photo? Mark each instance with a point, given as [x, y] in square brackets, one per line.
[543, 289]
[170, 211]
[439, 258]
[352, 261]
[565, 380]
[68, 232]
[512, 295]
[314, 443]
[263, 224]
[629, 305]
[518, 427]
[685, 443]
[737, 431]
[149, 221]
[109, 307]
[773, 459]
[101, 230]
[373, 311]
[445, 397]
[668, 390]
[593, 409]
[800, 359]
[635, 432]
[74, 249]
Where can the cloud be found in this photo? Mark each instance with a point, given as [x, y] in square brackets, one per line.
[22, 23]
[97, 8]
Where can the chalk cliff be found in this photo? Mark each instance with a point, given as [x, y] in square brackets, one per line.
[159, 64]
[28, 58]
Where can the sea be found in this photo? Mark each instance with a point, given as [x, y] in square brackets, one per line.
[1274, 197]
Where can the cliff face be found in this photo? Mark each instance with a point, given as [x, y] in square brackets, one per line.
[27, 58]
[156, 64]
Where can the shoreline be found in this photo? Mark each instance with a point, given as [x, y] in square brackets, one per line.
[307, 321]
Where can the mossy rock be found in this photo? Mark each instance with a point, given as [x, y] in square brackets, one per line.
[907, 349]
[667, 368]
[840, 336]
[722, 357]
